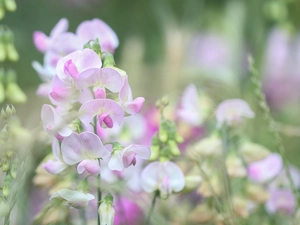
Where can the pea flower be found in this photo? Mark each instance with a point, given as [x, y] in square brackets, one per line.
[54, 123]
[74, 199]
[232, 111]
[165, 177]
[90, 30]
[84, 148]
[125, 95]
[107, 111]
[127, 157]
[42, 42]
[266, 169]
[106, 211]
[281, 200]
[55, 167]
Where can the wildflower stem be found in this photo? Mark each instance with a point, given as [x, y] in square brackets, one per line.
[272, 126]
[99, 193]
[152, 208]
[83, 217]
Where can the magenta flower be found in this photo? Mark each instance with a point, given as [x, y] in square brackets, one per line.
[42, 42]
[130, 106]
[85, 148]
[75, 199]
[69, 67]
[90, 30]
[127, 157]
[55, 167]
[166, 177]
[190, 107]
[54, 123]
[266, 169]
[232, 111]
[281, 200]
[100, 79]
[107, 111]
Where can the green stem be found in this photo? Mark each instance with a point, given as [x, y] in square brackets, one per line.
[99, 193]
[83, 217]
[271, 125]
[152, 208]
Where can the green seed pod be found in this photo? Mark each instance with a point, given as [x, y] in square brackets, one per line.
[163, 135]
[173, 148]
[154, 153]
[4, 207]
[14, 168]
[2, 49]
[5, 164]
[10, 5]
[6, 186]
[14, 94]
[11, 52]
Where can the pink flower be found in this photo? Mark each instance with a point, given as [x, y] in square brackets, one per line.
[100, 79]
[127, 211]
[90, 30]
[75, 199]
[69, 67]
[107, 111]
[130, 106]
[266, 169]
[44, 43]
[281, 200]
[85, 148]
[165, 177]
[127, 157]
[55, 167]
[190, 107]
[282, 179]
[54, 123]
[232, 111]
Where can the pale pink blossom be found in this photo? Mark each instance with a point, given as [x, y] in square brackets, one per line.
[281, 200]
[232, 111]
[54, 123]
[74, 199]
[190, 109]
[55, 167]
[84, 148]
[92, 29]
[69, 67]
[165, 177]
[42, 42]
[130, 105]
[107, 111]
[100, 79]
[282, 179]
[266, 169]
[127, 157]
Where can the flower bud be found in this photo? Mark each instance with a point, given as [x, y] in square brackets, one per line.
[173, 148]
[109, 60]
[252, 152]
[2, 12]
[257, 193]
[178, 138]
[235, 167]
[209, 146]
[106, 211]
[240, 206]
[10, 110]
[10, 5]
[4, 207]
[202, 214]
[192, 182]
[6, 186]
[14, 94]
[4, 133]
[163, 135]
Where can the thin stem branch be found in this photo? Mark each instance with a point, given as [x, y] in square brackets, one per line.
[152, 208]
[99, 193]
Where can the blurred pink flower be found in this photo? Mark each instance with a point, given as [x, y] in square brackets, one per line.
[232, 111]
[281, 200]
[266, 169]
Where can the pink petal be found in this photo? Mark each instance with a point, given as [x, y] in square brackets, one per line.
[43, 90]
[125, 92]
[93, 146]
[151, 176]
[41, 41]
[54, 167]
[98, 106]
[91, 166]
[59, 28]
[72, 149]
[134, 106]
[142, 151]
